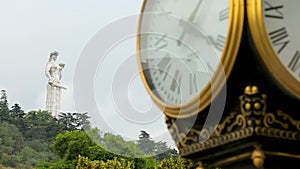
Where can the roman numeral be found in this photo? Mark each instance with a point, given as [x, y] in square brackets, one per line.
[176, 81]
[166, 72]
[161, 42]
[279, 38]
[193, 83]
[294, 64]
[163, 64]
[273, 11]
[210, 69]
[219, 42]
[224, 14]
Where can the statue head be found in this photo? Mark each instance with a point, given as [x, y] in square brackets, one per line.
[62, 65]
[53, 55]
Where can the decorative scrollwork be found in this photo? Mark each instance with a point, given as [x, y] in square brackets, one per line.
[223, 126]
[270, 119]
[182, 135]
[252, 119]
[239, 121]
[295, 123]
[216, 141]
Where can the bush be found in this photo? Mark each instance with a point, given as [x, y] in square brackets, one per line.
[178, 163]
[85, 163]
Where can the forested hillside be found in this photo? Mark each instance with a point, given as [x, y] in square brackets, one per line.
[35, 139]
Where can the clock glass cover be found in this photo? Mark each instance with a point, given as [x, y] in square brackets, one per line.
[181, 46]
[275, 31]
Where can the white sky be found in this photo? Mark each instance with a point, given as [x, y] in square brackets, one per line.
[31, 29]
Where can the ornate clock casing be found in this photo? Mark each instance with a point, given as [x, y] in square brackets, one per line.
[260, 124]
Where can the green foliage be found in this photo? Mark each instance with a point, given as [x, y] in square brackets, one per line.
[4, 110]
[40, 125]
[38, 145]
[30, 157]
[11, 140]
[9, 160]
[117, 145]
[94, 134]
[145, 163]
[159, 150]
[38, 140]
[4, 167]
[98, 153]
[57, 164]
[38, 118]
[74, 121]
[17, 117]
[164, 152]
[178, 163]
[71, 144]
[85, 163]
[145, 143]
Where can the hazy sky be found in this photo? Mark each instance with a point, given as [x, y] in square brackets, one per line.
[31, 29]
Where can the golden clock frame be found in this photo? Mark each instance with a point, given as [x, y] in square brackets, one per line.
[234, 35]
[264, 47]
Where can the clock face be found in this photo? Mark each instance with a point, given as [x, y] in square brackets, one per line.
[185, 47]
[274, 29]
[281, 20]
[182, 43]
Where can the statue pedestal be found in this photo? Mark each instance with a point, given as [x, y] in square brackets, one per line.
[53, 100]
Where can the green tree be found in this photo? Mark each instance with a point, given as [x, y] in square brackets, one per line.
[82, 121]
[41, 125]
[117, 145]
[95, 135]
[37, 118]
[162, 151]
[29, 158]
[71, 144]
[74, 121]
[145, 143]
[4, 110]
[98, 153]
[17, 117]
[11, 140]
[38, 145]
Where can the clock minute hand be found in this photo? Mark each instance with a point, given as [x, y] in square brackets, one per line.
[190, 19]
[193, 14]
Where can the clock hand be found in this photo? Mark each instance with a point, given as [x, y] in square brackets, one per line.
[190, 19]
[179, 40]
[193, 14]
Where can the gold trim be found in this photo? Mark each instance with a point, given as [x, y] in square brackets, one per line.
[191, 108]
[229, 160]
[265, 49]
[245, 123]
[276, 133]
[282, 154]
[216, 141]
[248, 155]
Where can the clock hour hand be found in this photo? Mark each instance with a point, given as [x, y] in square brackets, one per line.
[179, 40]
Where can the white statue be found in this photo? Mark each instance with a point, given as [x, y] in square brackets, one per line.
[53, 72]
